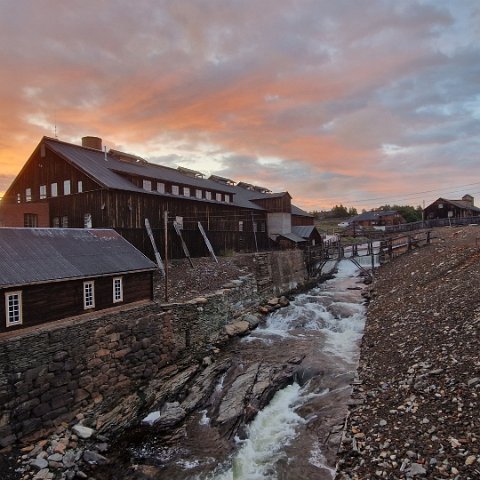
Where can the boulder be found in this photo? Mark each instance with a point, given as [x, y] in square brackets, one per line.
[82, 431]
[237, 328]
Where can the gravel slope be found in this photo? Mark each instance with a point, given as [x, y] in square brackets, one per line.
[415, 411]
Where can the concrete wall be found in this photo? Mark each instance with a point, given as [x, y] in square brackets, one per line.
[279, 223]
[90, 363]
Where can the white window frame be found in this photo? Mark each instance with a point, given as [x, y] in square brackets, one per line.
[8, 312]
[54, 189]
[147, 185]
[198, 193]
[186, 191]
[43, 192]
[28, 194]
[208, 195]
[67, 187]
[218, 197]
[88, 294]
[228, 199]
[117, 281]
[160, 187]
[175, 190]
[80, 186]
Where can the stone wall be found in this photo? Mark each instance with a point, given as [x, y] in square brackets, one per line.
[90, 363]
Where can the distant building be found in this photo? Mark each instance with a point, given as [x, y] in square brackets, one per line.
[444, 208]
[67, 185]
[376, 219]
[49, 274]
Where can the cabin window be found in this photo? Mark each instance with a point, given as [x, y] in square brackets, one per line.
[66, 187]
[186, 191]
[262, 226]
[175, 189]
[198, 193]
[54, 189]
[228, 198]
[117, 290]
[440, 205]
[13, 308]
[240, 226]
[19, 198]
[179, 222]
[88, 295]
[218, 197]
[79, 186]
[43, 192]
[147, 185]
[28, 194]
[160, 187]
[87, 220]
[30, 220]
[64, 221]
[56, 222]
[255, 226]
[313, 242]
[208, 195]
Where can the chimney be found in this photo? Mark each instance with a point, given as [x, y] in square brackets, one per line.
[468, 198]
[92, 142]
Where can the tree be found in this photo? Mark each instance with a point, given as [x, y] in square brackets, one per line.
[339, 211]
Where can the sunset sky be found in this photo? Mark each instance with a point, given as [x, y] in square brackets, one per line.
[360, 102]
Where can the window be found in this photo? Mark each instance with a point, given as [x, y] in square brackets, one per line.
[43, 192]
[208, 195]
[88, 295]
[240, 226]
[117, 290]
[87, 220]
[80, 186]
[56, 222]
[186, 191]
[64, 221]
[175, 189]
[179, 222]
[28, 194]
[30, 220]
[198, 193]
[13, 308]
[262, 226]
[54, 189]
[228, 198]
[19, 198]
[147, 185]
[160, 187]
[66, 187]
[218, 197]
[255, 227]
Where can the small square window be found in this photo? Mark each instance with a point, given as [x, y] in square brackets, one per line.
[186, 191]
[160, 187]
[208, 195]
[147, 185]
[13, 308]
[30, 220]
[117, 290]
[218, 197]
[88, 295]
[175, 190]
[198, 193]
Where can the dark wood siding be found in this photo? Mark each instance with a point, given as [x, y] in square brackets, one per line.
[276, 204]
[55, 301]
[300, 221]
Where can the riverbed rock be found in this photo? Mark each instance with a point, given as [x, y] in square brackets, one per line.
[237, 328]
[82, 431]
[170, 414]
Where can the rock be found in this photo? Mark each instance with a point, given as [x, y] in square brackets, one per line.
[470, 460]
[82, 431]
[473, 382]
[56, 457]
[253, 320]
[44, 474]
[94, 458]
[170, 414]
[69, 459]
[416, 470]
[273, 301]
[283, 301]
[39, 463]
[237, 328]
[382, 423]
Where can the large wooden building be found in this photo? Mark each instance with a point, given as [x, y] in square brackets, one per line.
[67, 185]
[444, 208]
[49, 274]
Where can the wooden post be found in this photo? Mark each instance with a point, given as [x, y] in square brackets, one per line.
[154, 246]
[165, 224]
[254, 233]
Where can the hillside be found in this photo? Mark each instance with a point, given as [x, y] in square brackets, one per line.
[415, 411]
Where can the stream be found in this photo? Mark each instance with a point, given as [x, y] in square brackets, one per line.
[279, 397]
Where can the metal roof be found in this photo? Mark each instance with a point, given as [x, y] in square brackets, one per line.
[292, 237]
[299, 211]
[304, 231]
[38, 255]
[367, 216]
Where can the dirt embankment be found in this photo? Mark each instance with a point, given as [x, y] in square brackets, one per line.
[415, 413]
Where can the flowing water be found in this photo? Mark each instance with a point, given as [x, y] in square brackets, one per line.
[296, 436]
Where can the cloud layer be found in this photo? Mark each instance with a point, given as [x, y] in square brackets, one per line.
[333, 101]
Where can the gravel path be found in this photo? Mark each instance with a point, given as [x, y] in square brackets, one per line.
[415, 411]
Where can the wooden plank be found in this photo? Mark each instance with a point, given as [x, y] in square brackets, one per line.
[207, 242]
[154, 245]
[184, 245]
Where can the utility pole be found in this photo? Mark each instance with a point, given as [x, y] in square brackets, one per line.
[165, 224]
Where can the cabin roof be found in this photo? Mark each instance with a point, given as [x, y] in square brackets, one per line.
[462, 204]
[39, 255]
[303, 231]
[372, 215]
[292, 237]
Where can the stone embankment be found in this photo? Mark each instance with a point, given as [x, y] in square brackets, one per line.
[415, 409]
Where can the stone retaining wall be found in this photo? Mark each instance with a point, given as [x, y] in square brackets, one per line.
[90, 362]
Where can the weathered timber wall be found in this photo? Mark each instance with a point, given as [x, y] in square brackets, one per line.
[92, 362]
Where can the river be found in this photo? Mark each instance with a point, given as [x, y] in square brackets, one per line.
[314, 344]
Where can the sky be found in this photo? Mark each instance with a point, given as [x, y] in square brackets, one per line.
[354, 102]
